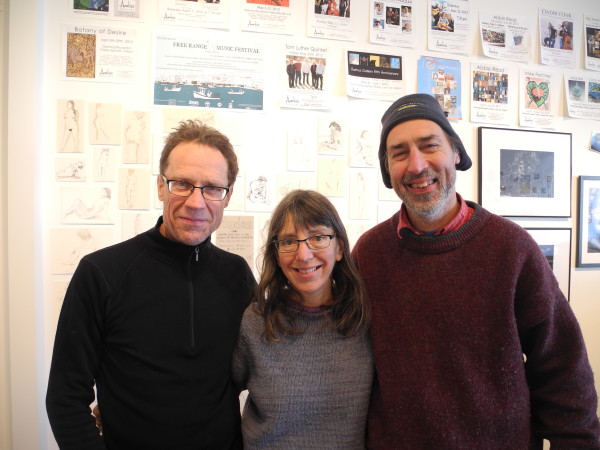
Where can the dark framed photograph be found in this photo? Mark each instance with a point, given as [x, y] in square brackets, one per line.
[555, 244]
[525, 173]
[588, 247]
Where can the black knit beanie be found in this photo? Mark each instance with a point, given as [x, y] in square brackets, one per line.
[416, 106]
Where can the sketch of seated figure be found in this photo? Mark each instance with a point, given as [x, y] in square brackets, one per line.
[97, 210]
[258, 190]
[362, 152]
[86, 244]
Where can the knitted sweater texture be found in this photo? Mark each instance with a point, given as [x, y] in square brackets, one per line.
[153, 324]
[309, 391]
[475, 345]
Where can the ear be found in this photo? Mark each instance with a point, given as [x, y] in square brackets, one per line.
[228, 196]
[159, 186]
[339, 252]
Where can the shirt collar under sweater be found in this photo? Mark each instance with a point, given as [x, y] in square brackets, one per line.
[463, 215]
[173, 252]
[444, 242]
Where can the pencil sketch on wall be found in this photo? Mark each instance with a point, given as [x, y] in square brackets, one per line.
[362, 184]
[331, 136]
[134, 188]
[301, 152]
[136, 148]
[105, 124]
[105, 164]
[69, 245]
[68, 126]
[290, 181]
[363, 148]
[87, 205]
[134, 223]
[259, 192]
[330, 177]
[70, 169]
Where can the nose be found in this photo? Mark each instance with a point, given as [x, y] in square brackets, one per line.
[416, 161]
[303, 253]
[196, 200]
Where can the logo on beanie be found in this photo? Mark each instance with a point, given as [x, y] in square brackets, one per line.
[407, 106]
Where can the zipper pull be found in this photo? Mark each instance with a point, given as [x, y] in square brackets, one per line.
[197, 250]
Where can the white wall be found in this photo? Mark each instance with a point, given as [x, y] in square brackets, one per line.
[35, 85]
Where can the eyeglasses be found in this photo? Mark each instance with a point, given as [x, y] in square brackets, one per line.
[317, 242]
[185, 189]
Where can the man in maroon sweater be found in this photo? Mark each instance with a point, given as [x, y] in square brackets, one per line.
[475, 345]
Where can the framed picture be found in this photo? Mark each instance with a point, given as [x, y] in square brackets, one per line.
[588, 247]
[555, 244]
[525, 173]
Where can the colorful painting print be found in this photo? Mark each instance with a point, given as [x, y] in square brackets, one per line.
[91, 5]
[81, 55]
[526, 173]
[538, 93]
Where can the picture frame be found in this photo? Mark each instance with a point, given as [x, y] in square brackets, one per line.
[525, 173]
[588, 245]
[555, 244]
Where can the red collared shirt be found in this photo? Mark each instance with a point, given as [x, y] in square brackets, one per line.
[464, 214]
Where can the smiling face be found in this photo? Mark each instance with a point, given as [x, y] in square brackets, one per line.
[309, 271]
[422, 166]
[190, 220]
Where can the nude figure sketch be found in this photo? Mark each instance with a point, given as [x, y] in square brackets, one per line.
[135, 148]
[104, 164]
[70, 170]
[69, 142]
[88, 209]
[105, 124]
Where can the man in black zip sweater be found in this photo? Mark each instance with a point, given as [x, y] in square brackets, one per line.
[152, 322]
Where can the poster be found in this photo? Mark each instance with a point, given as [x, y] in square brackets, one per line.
[556, 38]
[505, 36]
[212, 72]
[330, 19]
[391, 22]
[98, 53]
[592, 42]
[490, 94]
[441, 78]
[304, 85]
[539, 92]
[583, 94]
[204, 14]
[374, 76]
[269, 16]
[450, 22]
[106, 9]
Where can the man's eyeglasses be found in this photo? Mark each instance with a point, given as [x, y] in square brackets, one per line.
[314, 243]
[185, 189]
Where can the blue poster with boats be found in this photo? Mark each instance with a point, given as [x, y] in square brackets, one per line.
[208, 72]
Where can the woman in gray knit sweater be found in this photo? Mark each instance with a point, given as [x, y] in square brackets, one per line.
[303, 352]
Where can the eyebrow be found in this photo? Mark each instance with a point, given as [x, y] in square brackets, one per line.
[431, 137]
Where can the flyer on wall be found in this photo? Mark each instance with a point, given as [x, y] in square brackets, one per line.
[441, 78]
[583, 95]
[204, 14]
[391, 22]
[269, 16]
[304, 85]
[592, 42]
[449, 26]
[374, 76]
[539, 92]
[489, 101]
[505, 36]
[211, 72]
[98, 53]
[556, 38]
[106, 9]
[330, 19]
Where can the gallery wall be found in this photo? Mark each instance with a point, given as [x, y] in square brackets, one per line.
[45, 237]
